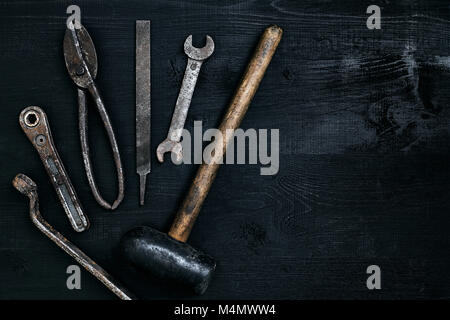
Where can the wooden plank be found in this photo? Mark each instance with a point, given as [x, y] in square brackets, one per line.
[364, 144]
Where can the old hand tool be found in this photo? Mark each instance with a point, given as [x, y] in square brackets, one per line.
[28, 187]
[143, 105]
[81, 62]
[196, 56]
[167, 255]
[34, 123]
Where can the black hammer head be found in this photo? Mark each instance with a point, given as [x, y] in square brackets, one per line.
[160, 255]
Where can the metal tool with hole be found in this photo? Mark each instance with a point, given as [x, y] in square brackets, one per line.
[196, 56]
[34, 123]
[81, 63]
[28, 187]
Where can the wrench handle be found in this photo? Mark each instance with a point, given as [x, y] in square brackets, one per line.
[190, 208]
[34, 123]
[184, 99]
[28, 187]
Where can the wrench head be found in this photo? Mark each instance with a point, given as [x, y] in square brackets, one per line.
[168, 145]
[199, 54]
[24, 184]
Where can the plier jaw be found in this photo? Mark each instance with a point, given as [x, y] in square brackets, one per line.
[80, 56]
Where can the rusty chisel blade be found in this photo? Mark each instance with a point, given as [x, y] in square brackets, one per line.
[143, 105]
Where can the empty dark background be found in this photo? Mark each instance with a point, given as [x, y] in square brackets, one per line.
[364, 147]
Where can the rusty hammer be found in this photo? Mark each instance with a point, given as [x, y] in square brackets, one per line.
[168, 256]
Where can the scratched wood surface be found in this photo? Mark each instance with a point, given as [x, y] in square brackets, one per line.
[364, 144]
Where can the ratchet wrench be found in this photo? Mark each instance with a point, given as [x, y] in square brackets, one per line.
[34, 123]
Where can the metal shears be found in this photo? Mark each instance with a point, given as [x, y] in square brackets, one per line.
[81, 62]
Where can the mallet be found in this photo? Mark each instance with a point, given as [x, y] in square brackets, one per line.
[168, 256]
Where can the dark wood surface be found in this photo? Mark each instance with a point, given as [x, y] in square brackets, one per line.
[364, 144]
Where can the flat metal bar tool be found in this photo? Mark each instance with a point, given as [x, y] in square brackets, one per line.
[34, 123]
[28, 187]
[196, 57]
[81, 62]
[143, 105]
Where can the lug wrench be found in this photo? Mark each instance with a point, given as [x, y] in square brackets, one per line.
[28, 187]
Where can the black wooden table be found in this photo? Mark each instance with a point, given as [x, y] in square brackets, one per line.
[364, 144]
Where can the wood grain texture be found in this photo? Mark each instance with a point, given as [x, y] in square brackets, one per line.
[364, 145]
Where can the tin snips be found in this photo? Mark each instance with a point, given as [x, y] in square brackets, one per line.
[81, 63]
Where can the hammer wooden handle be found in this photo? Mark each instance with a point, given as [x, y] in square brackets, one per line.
[189, 210]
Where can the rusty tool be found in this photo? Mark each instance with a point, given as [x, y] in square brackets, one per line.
[196, 56]
[168, 256]
[34, 123]
[81, 62]
[28, 187]
[143, 105]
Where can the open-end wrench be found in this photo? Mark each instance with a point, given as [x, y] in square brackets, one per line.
[28, 187]
[34, 123]
[196, 56]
